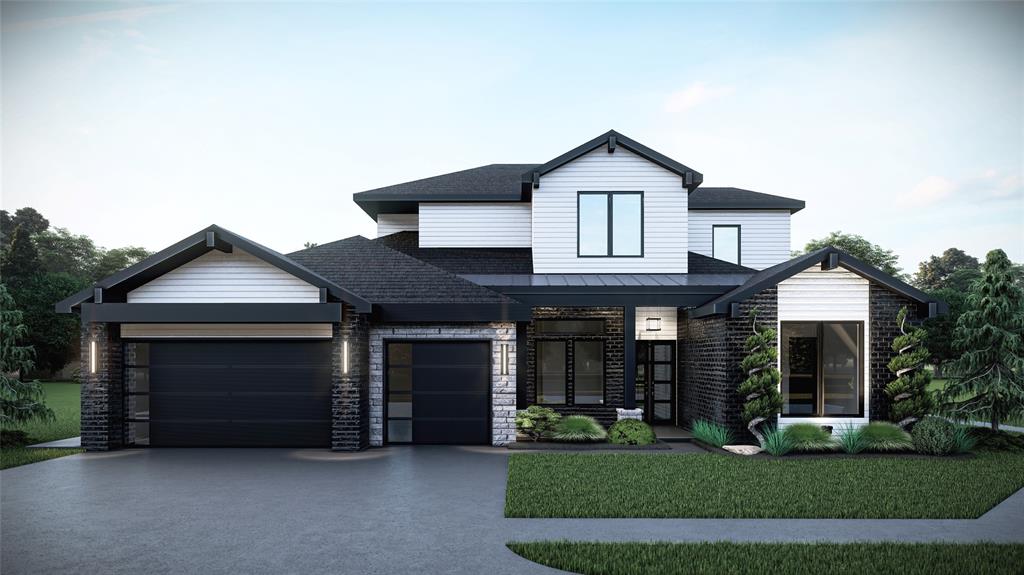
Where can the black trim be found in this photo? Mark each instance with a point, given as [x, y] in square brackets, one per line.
[739, 242]
[522, 364]
[212, 312]
[771, 277]
[461, 312]
[215, 242]
[609, 227]
[862, 397]
[629, 361]
[627, 143]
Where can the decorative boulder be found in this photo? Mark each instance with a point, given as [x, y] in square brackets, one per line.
[743, 449]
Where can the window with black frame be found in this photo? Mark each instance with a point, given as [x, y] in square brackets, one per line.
[610, 224]
[570, 362]
[822, 369]
[136, 393]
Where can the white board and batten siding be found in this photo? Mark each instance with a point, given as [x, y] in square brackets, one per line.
[833, 295]
[218, 277]
[665, 214]
[388, 224]
[475, 225]
[764, 234]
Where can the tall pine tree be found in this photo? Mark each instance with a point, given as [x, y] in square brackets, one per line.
[909, 391]
[760, 390]
[20, 401]
[987, 380]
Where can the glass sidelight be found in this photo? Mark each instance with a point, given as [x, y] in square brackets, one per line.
[655, 380]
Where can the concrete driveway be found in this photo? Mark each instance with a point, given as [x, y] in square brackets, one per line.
[393, 510]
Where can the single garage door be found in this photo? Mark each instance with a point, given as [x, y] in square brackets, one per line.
[438, 392]
[240, 393]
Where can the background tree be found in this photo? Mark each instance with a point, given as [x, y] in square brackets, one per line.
[859, 248]
[987, 380]
[116, 259]
[954, 268]
[20, 260]
[908, 393]
[20, 401]
[760, 390]
[31, 222]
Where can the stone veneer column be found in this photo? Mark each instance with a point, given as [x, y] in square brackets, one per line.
[103, 391]
[350, 392]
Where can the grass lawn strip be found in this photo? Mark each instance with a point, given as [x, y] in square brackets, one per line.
[784, 558]
[579, 485]
[64, 398]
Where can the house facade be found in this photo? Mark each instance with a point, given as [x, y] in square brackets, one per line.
[607, 281]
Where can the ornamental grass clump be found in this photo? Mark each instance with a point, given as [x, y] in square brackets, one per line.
[884, 436]
[809, 437]
[776, 442]
[579, 429]
[537, 422]
[631, 432]
[711, 433]
[851, 439]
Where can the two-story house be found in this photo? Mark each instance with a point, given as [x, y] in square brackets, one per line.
[601, 282]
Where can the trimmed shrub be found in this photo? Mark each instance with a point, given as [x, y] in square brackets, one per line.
[885, 436]
[809, 437]
[537, 422]
[776, 442]
[760, 390]
[988, 440]
[934, 436]
[579, 429]
[631, 432]
[908, 393]
[711, 433]
[851, 439]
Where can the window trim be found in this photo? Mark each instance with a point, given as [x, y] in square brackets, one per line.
[570, 369]
[610, 217]
[537, 380]
[556, 334]
[604, 371]
[862, 397]
[739, 241]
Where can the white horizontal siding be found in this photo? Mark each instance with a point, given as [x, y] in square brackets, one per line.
[669, 323]
[665, 217]
[218, 277]
[393, 223]
[474, 225]
[227, 330]
[833, 295]
[764, 234]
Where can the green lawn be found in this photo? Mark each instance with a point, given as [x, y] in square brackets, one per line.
[65, 401]
[939, 384]
[719, 486]
[783, 558]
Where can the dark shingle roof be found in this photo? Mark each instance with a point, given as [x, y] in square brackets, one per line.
[383, 275]
[738, 199]
[702, 264]
[491, 183]
[463, 260]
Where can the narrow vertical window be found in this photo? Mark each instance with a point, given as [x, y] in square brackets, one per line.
[552, 374]
[593, 225]
[588, 372]
[725, 243]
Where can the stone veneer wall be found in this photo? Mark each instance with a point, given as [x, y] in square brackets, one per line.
[503, 387]
[710, 352]
[103, 391]
[350, 392]
[884, 305]
[614, 357]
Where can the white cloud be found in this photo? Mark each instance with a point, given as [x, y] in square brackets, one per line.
[125, 15]
[694, 95]
[928, 191]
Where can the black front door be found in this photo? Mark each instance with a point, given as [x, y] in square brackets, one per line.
[656, 380]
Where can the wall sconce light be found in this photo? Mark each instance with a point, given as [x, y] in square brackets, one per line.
[344, 356]
[654, 324]
[92, 356]
[504, 359]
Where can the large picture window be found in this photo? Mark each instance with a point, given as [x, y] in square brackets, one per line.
[570, 361]
[822, 369]
[610, 224]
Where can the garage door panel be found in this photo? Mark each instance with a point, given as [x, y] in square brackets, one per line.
[193, 433]
[450, 405]
[173, 406]
[200, 378]
[473, 379]
[450, 354]
[468, 430]
[244, 352]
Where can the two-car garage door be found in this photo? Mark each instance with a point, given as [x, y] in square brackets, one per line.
[278, 393]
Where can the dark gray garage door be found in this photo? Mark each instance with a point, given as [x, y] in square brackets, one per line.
[240, 393]
[438, 392]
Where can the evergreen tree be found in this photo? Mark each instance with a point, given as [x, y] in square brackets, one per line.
[909, 391]
[21, 259]
[987, 380]
[760, 389]
[20, 401]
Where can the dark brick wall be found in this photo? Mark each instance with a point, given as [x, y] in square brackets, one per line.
[103, 391]
[884, 305]
[350, 395]
[614, 354]
[710, 351]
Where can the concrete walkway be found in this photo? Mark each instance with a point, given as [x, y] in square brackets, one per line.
[69, 442]
[394, 510]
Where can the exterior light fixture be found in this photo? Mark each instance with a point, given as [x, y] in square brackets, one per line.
[504, 359]
[92, 356]
[344, 356]
[654, 324]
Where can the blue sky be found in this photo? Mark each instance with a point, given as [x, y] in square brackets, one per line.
[141, 123]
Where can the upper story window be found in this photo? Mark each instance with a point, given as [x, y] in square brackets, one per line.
[725, 243]
[610, 224]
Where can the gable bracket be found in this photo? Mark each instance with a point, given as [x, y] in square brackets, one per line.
[611, 144]
[830, 263]
[213, 241]
[536, 180]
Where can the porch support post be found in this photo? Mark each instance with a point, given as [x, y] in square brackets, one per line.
[629, 364]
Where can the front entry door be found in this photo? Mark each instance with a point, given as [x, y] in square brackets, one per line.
[656, 380]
